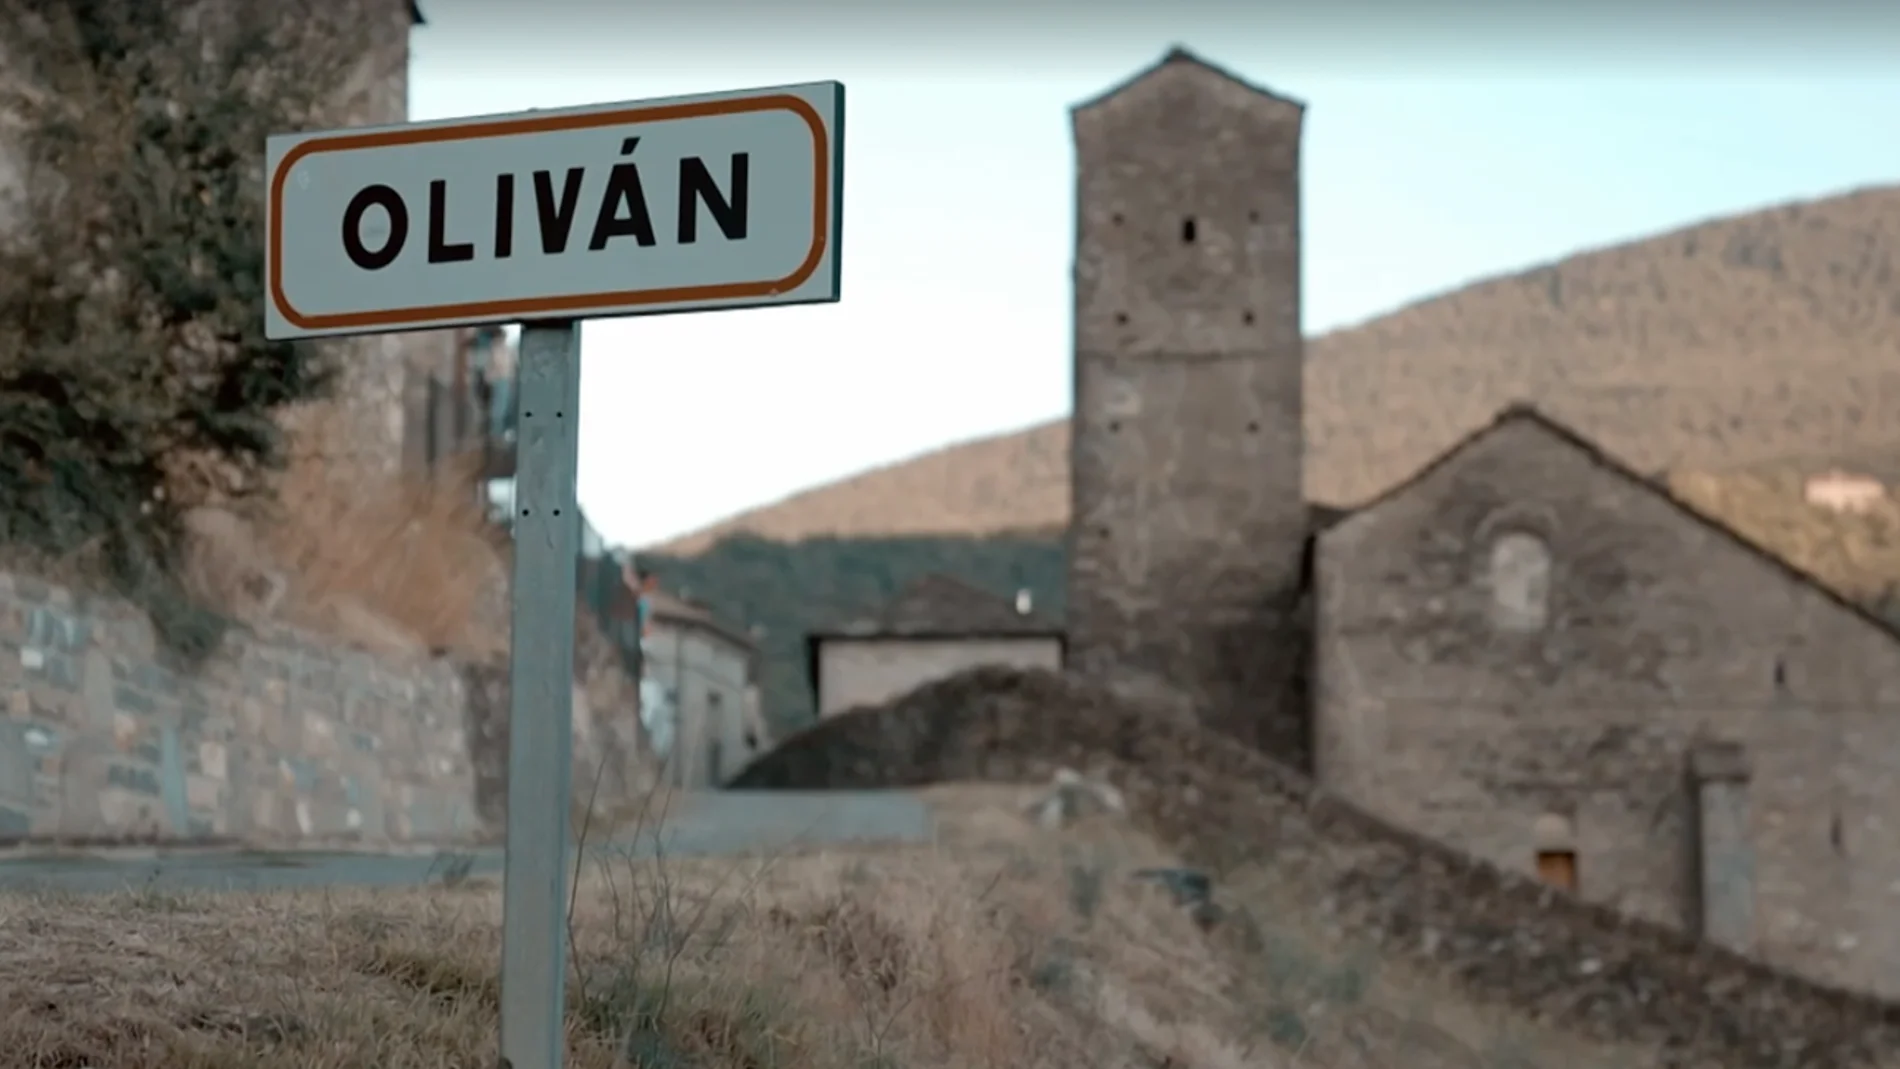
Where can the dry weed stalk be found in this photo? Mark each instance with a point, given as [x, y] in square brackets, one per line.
[416, 550]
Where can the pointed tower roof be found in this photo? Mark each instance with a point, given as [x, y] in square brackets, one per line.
[1175, 58]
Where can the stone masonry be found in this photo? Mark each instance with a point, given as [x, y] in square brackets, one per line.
[1189, 521]
[1663, 649]
[280, 737]
[1488, 944]
[613, 762]
[361, 430]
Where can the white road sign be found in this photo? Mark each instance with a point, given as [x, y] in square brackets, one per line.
[548, 218]
[726, 200]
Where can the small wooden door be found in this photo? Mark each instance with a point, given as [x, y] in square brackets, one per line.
[1558, 868]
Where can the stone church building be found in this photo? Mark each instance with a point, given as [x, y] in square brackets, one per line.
[1526, 650]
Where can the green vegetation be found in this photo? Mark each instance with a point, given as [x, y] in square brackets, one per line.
[132, 355]
[788, 589]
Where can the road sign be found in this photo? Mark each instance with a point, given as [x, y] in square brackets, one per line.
[725, 200]
[546, 522]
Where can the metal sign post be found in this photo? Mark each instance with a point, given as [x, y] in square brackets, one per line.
[546, 522]
[720, 201]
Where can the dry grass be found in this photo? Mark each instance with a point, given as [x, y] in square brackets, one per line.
[1002, 947]
[1296, 990]
[1761, 337]
[414, 551]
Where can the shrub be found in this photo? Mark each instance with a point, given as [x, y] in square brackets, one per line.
[131, 272]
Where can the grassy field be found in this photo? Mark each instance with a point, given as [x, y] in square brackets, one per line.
[1001, 945]
[987, 950]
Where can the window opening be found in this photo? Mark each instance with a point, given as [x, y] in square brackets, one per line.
[1558, 868]
[1520, 582]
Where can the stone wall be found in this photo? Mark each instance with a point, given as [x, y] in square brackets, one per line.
[613, 762]
[1466, 711]
[1189, 523]
[362, 428]
[280, 737]
[706, 674]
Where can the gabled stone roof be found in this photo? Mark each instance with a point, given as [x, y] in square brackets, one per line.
[1523, 413]
[1179, 56]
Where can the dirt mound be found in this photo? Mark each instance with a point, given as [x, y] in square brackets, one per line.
[1488, 936]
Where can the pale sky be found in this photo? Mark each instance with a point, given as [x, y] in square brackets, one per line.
[1434, 156]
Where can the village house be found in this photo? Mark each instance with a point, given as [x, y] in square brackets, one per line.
[699, 692]
[1534, 653]
[1839, 491]
[935, 627]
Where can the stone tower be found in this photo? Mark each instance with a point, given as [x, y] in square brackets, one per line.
[361, 431]
[1189, 524]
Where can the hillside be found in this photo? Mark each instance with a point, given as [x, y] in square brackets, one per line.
[1856, 553]
[1768, 337]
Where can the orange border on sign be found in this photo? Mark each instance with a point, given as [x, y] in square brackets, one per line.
[553, 307]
